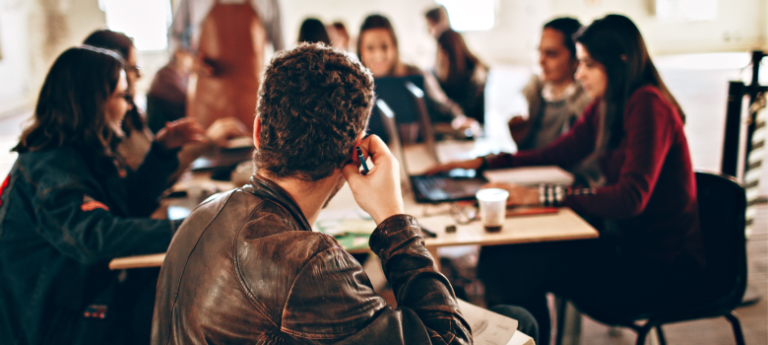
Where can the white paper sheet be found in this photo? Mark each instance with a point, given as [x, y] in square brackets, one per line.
[489, 328]
[529, 176]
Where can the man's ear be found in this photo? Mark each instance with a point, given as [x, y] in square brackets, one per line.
[256, 130]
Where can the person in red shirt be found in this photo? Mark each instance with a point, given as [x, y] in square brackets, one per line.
[650, 250]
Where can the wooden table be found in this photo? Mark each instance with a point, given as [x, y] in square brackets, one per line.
[564, 225]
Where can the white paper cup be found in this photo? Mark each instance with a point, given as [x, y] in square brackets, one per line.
[493, 207]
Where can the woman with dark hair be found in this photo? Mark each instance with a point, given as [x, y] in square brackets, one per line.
[378, 50]
[70, 205]
[461, 75]
[313, 31]
[650, 252]
[138, 137]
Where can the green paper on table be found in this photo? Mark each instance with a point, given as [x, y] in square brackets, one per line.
[351, 228]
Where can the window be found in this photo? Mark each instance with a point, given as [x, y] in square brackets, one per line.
[466, 15]
[686, 10]
[146, 21]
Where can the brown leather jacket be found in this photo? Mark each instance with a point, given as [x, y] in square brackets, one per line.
[245, 268]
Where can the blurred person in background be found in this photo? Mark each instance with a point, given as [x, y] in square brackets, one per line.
[377, 49]
[228, 39]
[461, 75]
[167, 97]
[437, 21]
[313, 31]
[339, 35]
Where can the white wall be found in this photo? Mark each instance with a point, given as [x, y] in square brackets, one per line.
[741, 21]
[33, 33]
[515, 36]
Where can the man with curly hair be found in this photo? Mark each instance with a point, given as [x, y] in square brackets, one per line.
[245, 267]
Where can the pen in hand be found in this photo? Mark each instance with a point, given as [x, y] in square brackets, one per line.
[362, 160]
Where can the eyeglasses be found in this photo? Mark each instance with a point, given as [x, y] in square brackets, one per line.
[132, 68]
[462, 213]
[127, 96]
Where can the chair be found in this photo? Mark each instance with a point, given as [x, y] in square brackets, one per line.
[722, 206]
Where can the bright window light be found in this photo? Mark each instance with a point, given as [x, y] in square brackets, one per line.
[686, 10]
[466, 15]
[146, 21]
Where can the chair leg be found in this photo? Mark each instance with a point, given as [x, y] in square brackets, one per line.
[662, 340]
[561, 305]
[736, 328]
[642, 333]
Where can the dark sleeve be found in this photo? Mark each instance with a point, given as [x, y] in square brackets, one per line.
[85, 230]
[649, 134]
[416, 282]
[565, 152]
[441, 108]
[146, 184]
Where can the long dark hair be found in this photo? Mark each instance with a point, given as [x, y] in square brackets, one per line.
[377, 21]
[112, 40]
[71, 110]
[122, 45]
[312, 31]
[461, 62]
[616, 43]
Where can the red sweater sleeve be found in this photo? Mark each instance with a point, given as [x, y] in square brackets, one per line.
[565, 152]
[649, 132]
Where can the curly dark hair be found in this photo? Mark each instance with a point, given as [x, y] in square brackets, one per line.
[313, 103]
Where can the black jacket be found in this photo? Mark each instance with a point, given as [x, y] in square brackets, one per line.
[61, 223]
[245, 268]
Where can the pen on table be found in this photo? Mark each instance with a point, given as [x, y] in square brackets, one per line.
[362, 160]
[428, 232]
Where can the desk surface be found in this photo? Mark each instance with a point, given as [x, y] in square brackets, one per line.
[562, 226]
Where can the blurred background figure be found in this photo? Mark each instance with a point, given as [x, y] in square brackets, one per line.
[437, 21]
[228, 39]
[461, 75]
[378, 50]
[555, 99]
[313, 31]
[339, 35]
[167, 98]
[137, 139]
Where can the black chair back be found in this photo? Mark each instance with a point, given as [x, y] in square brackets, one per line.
[722, 213]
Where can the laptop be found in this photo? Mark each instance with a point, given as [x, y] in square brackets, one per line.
[456, 185]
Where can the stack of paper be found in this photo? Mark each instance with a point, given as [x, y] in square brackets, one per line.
[489, 328]
[529, 176]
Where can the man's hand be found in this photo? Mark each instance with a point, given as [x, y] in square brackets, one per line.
[224, 129]
[377, 192]
[471, 164]
[179, 133]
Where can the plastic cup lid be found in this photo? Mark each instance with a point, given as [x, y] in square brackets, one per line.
[492, 194]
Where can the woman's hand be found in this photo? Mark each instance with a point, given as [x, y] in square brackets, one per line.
[179, 133]
[518, 195]
[472, 164]
[519, 127]
[224, 129]
[462, 123]
[377, 192]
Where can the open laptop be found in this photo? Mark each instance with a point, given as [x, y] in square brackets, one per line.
[454, 186]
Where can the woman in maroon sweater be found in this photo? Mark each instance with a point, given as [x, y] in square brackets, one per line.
[650, 250]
